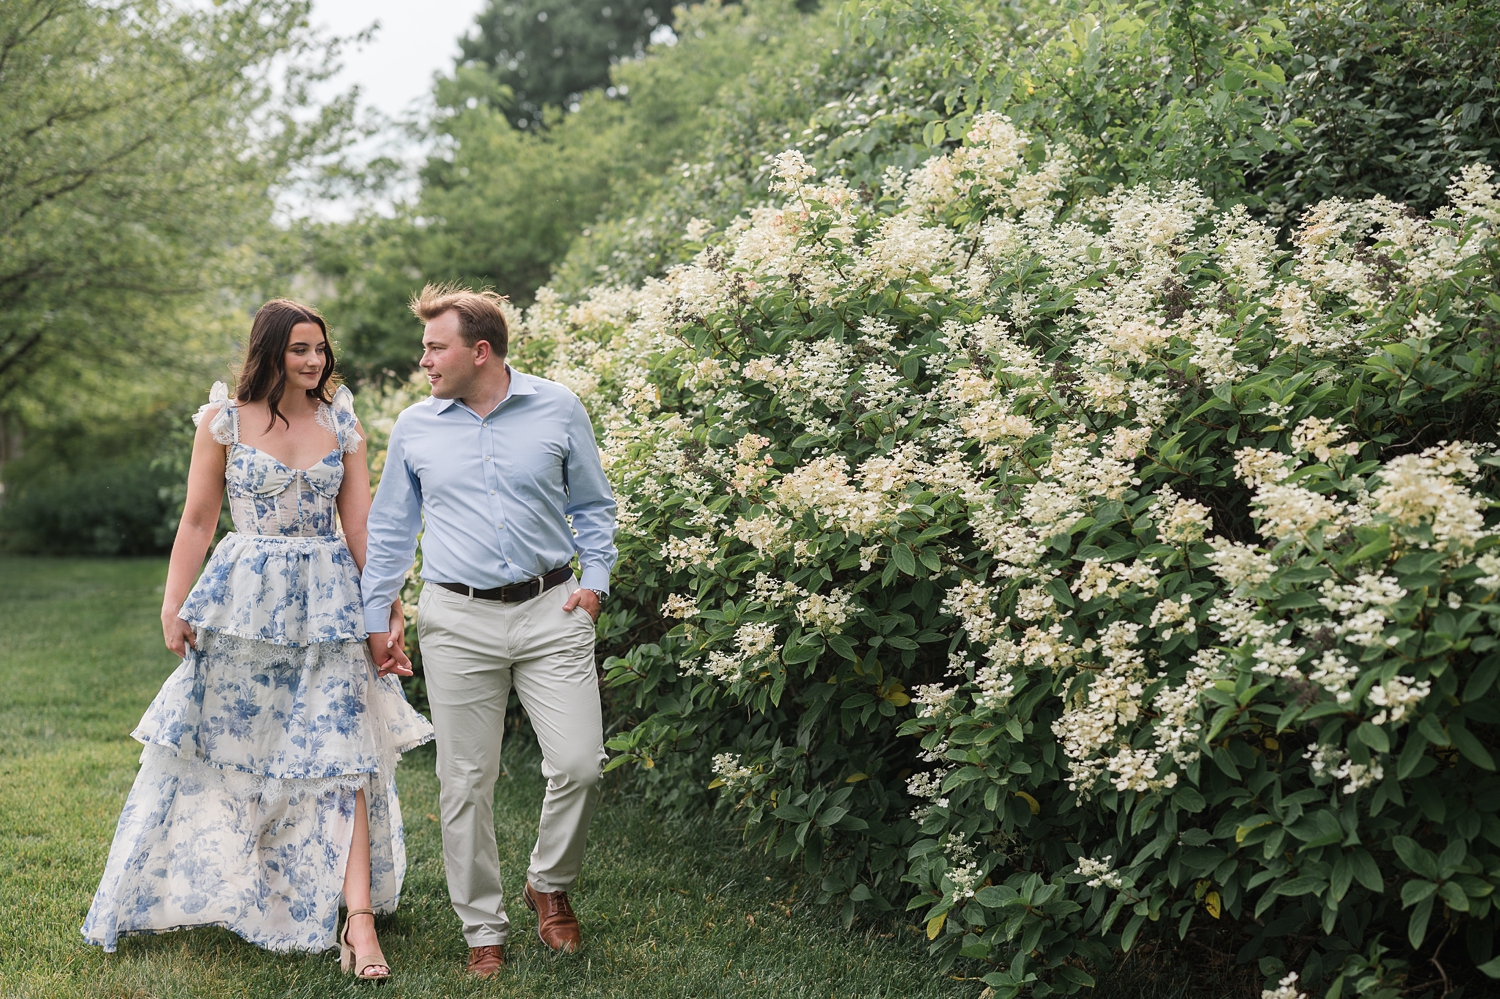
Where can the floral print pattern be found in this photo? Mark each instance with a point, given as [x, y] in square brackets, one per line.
[243, 810]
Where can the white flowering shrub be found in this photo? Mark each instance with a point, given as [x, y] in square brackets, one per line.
[1071, 568]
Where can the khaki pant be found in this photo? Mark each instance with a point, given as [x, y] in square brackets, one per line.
[473, 652]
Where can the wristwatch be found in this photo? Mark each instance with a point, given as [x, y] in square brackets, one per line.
[598, 593]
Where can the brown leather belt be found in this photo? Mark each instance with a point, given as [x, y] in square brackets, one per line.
[515, 593]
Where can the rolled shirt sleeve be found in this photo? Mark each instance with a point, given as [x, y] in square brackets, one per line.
[591, 504]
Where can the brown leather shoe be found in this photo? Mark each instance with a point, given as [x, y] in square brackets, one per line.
[555, 922]
[486, 962]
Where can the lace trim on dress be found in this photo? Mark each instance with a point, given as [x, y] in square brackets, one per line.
[225, 425]
[239, 785]
[341, 419]
[324, 418]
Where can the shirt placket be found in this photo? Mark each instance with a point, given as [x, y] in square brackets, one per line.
[492, 480]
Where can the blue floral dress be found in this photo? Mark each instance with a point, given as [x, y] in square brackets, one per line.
[243, 810]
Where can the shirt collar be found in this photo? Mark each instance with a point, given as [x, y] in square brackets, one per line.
[520, 384]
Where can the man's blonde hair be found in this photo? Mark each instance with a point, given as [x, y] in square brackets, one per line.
[480, 316]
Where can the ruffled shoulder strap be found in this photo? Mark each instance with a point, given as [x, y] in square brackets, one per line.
[338, 416]
[225, 423]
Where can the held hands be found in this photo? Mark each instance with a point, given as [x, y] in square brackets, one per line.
[388, 649]
[178, 634]
[587, 599]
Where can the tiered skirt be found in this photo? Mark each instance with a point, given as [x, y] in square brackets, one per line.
[242, 813]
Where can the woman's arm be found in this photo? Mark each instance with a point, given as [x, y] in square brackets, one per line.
[195, 532]
[354, 500]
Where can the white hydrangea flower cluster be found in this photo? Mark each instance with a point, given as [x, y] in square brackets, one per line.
[677, 605]
[1100, 873]
[727, 768]
[1425, 494]
[1285, 989]
[1183, 521]
[1096, 717]
[933, 699]
[1333, 763]
[826, 612]
[1396, 697]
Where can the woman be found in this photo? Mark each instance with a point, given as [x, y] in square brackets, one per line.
[266, 790]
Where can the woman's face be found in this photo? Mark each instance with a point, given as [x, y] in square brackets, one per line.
[306, 357]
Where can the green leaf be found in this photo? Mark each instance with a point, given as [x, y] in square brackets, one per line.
[1457, 900]
[1306, 884]
[1414, 891]
[1482, 678]
[1366, 870]
[1343, 877]
[1413, 856]
[1416, 928]
[994, 896]
[1491, 968]
[1432, 729]
[1471, 747]
[1373, 736]
[1411, 754]
[1076, 975]
[843, 647]
[801, 652]
[1188, 799]
[902, 557]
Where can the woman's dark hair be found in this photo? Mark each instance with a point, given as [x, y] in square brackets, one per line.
[263, 375]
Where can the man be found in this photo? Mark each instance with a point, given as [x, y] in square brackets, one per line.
[495, 464]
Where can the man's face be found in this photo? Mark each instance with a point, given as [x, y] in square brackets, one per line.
[448, 361]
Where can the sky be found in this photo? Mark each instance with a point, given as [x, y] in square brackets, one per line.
[393, 70]
[416, 39]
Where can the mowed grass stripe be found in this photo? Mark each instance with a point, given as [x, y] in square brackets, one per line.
[671, 907]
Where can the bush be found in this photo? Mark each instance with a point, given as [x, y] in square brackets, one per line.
[1399, 96]
[114, 509]
[1072, 568]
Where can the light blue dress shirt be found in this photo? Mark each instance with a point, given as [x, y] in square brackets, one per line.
[496, 493]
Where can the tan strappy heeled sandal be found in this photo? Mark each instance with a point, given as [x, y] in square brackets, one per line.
[359, 964]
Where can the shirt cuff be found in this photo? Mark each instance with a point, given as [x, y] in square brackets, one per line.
[377, 621]
[595, 577]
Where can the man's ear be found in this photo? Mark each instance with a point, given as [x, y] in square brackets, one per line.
[483, 351]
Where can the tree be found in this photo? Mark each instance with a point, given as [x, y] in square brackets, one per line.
[548, 52]
[502, 206]
[140, 148]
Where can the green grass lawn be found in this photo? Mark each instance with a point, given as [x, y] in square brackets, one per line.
[669, 907]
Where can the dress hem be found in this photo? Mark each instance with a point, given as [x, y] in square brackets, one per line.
[262, 942]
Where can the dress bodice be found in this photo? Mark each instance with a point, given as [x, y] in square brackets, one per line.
[265, 496]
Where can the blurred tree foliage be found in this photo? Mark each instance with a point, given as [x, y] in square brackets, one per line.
[502, 206]
[142, 145]
[548, 53]
[140, 142]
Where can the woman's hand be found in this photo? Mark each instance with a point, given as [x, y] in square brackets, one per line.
[178, 633]
[389, 649]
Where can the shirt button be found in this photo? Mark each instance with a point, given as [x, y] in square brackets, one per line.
[486, 457]
[500, 526]
[492, 492]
